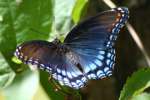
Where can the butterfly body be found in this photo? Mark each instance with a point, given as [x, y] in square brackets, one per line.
[87, 52]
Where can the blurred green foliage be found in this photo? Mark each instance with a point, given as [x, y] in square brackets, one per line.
[23, 20]
[136, 85]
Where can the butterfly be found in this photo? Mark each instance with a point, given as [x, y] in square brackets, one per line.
[87, 52]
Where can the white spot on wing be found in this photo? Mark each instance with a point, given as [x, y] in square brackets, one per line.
[66, 80]
[42, 65]
[108, 72]
[102, 52]
[99, 63]
[87, 69]
[101, 57]
[63, 72]
[108, 61]
[59, 77]
[36, 62]
[58, 70]
[74, 85]
[93, 76]
[74, 74]
[109, 55]
[119, 8]
[106, 69]
[100, 73]
[79, 82]
[69, 75]
[93, 66]
[84, 79]
[19, 47]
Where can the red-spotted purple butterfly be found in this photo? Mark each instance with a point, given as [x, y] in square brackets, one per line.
[87, 52]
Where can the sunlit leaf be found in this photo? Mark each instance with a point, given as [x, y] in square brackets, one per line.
[6, 73]
[21, 20]
[7, 32]
[16, 60]
[33, 19]
[136, 84]
[40, 94]
[62, 14]
[23, 87]
[78, 9]
[143, 96]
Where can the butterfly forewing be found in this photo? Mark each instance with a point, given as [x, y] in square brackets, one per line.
[99, 30]
[39, 52]
[93, 39]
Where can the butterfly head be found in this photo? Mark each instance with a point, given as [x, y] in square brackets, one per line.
[56, 41]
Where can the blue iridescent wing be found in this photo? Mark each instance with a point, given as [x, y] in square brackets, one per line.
[94, 40]
[58, 62]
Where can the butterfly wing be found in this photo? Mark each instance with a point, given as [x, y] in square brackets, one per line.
[93, 39]
[99, 31]
[52, 58]
[38, 52]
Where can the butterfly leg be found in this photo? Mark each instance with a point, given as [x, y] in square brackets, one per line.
[55, 85]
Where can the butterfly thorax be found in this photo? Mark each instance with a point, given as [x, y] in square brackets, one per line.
[57, 41]
[60, 47]
[65, 50]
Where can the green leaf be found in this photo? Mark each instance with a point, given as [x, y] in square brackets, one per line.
[17, 18]
[78, 10]
[62, 15]
[136, 84]
[6, 73]
[48, 87]
[7, 32]
[23, 87]
[142, 96]
[33, 19]
[21, 20]
[40, 94]
[16, 60]
[7, 43]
